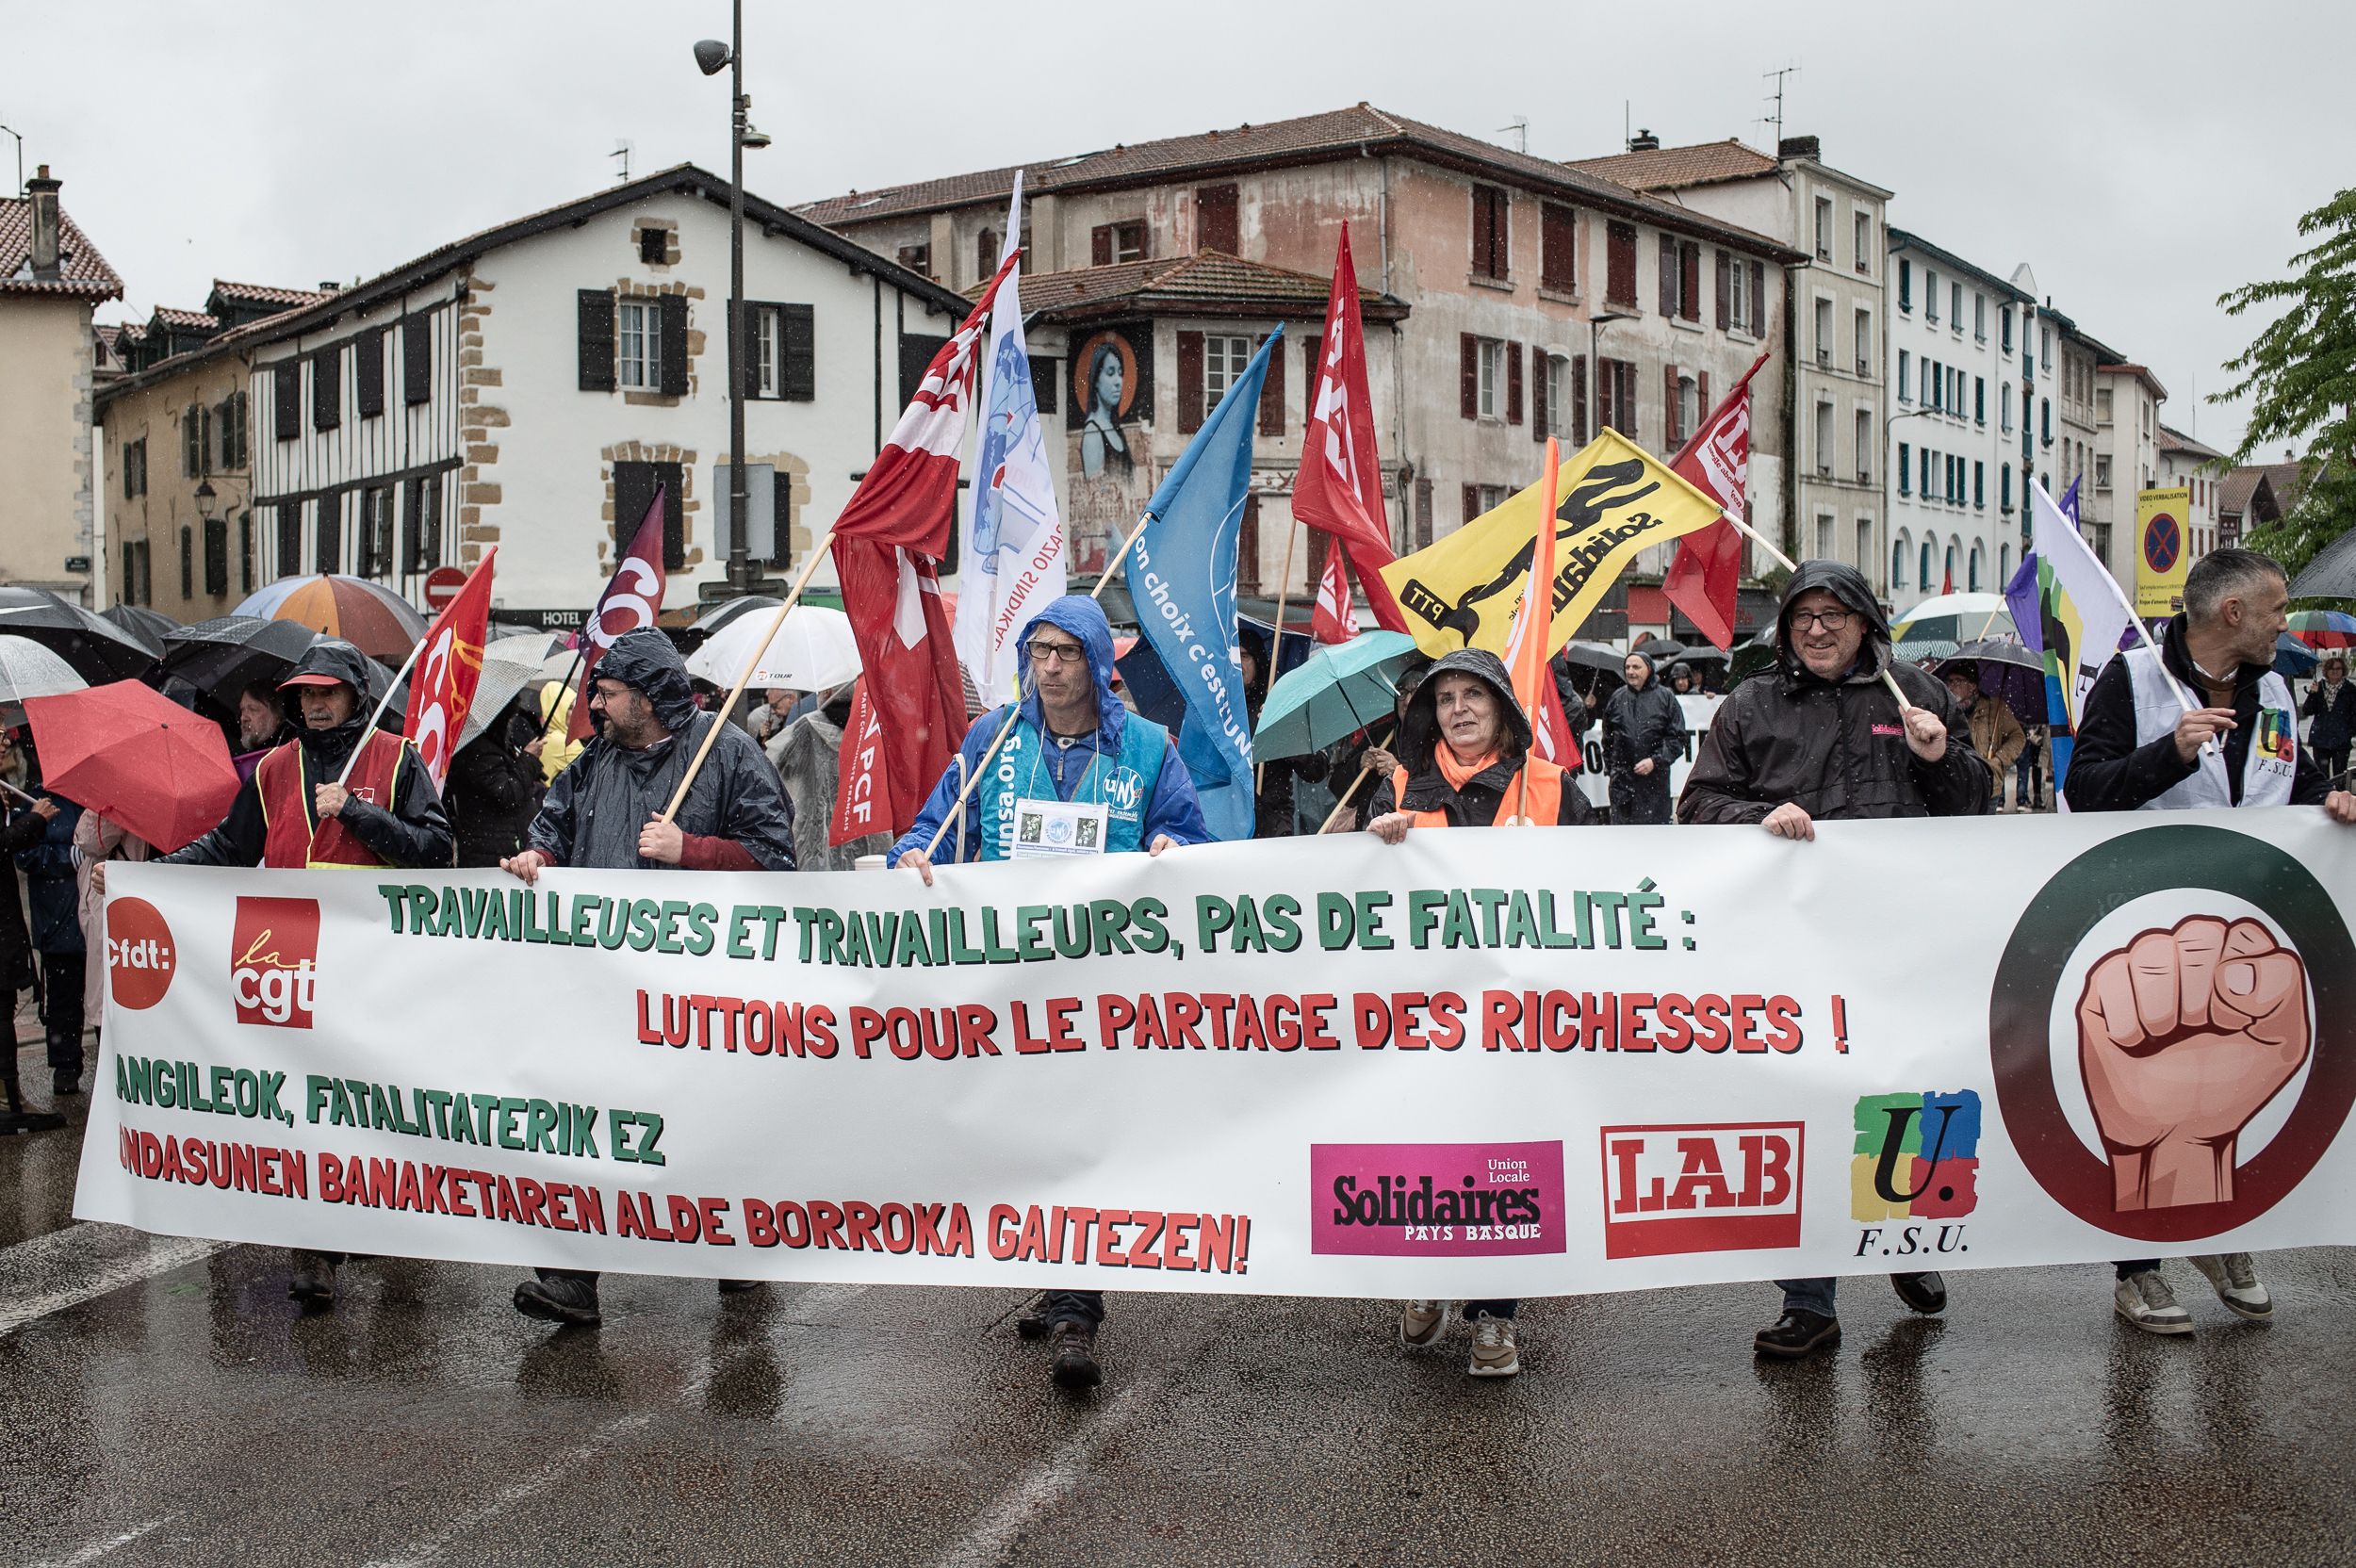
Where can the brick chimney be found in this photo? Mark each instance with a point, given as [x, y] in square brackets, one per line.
[43, 192]
[1799, 147]
[1643, 142]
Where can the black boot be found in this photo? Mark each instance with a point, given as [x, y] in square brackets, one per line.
[1923, 1293]
[1798, 1332]
[313, 1281]
[738, 1287]
[567, 1298]
[1074, 1362]
[1034, 1324]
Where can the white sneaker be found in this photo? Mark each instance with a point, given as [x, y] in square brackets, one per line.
[1496, 1353]
[2145, 1300]
[2237, 1286]
[1420, 1322]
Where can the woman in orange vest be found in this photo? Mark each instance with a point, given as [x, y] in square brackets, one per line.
[1465, 745]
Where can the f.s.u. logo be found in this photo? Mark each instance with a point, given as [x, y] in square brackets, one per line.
[1916, 1155]
[2274, 737]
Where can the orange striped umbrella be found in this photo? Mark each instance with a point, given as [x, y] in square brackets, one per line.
[370, 616]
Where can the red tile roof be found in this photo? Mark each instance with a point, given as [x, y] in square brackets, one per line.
[1309, 137]
[82, 272]
[263, 294]
[2177, 441]
[1211, 279]
[196, 320]
[1674, 168]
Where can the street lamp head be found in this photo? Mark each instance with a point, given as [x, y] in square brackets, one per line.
[207, 497]
[753, 137]
[711, 56]
[1612, 316]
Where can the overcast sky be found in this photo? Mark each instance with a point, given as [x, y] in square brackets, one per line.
[2141, 157]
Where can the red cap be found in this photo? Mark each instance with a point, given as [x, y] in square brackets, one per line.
[313, 680]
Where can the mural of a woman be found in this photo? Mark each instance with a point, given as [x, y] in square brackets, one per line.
[1101, 445]
[1110, 421]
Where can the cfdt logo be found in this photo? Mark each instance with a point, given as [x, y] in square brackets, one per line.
[1715, 1187]
[140, 953]
[272, 952]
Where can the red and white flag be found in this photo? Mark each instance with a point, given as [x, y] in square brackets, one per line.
[1332, 621]
[1338, 486]
[449, 666]
[888, 545]
[861, 802]
[1703, 578]
[633, 598]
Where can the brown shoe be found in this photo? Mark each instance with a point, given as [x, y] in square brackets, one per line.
[1075, 1360]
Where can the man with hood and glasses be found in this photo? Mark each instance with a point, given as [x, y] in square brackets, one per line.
[605, 810]
[1465, 761]
[1820, 736]
[1071, 739]
[292, 814]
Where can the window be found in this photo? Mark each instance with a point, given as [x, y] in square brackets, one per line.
[1948, 561]
[1746, 296]
[1979, 552]
[2102, 406]
[1904, 363]
[1979, 400]
[1824, 228]
[1906, 286]
[1619, 286]
[328, 555]
[654, 245]
[1216, 220]
[1823, 332]
[1927, 473]
[285, 400]
[417, 355]
[2101, 470]
[290, 546]
[1558, 398]
[1680, 279]
[1905, 485]
[783, 352]
[135, 469]
[421, 524]
[1930, 295]
[1979, 316]
[195, 444]
[1616, 394]
[2003, 565]
[1685, 410]
[372, 549]
[1864, 342]
[1923, 577]
[1824, 438]
[985, 248]
[1979, 490]
[1864, 543]
[1861, 241]
[2005, 406]
[1824, 538]
[2045, 346]
[916, 258]
[2003, 489]
[229, 419]
[367, 373]
[1492, 242]
[1225, 357]
[1489, 398]
[2045, 420]
[1898, 563]
[2003, 317]
[1558, 248]
[641, 337]
[1954, 307]
[1864, 449]
[1934, 384]
[327, 387]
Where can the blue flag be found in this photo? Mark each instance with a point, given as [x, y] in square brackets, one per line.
[1182, 578]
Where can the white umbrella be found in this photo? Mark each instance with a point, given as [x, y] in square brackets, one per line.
[813, 651]
[29, 670]
[509, 666]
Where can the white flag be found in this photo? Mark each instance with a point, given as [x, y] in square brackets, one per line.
[2083, 601]
[1014, 558]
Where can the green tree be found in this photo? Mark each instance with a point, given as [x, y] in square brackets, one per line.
[2301, 375]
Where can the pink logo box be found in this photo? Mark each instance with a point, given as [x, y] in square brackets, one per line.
[1435, 1199]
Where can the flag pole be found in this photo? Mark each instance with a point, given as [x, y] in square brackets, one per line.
[382, 703]
[743, 677]
[1364, 774]
[1276, 647]
[1103, 580]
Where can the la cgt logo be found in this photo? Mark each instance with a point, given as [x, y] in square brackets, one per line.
[273, 953]
[140, 954]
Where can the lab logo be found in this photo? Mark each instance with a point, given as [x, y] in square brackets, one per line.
[1435, 1199]
[1917, 1156]
[140, 954]
[273, 953]
[1710, 1188]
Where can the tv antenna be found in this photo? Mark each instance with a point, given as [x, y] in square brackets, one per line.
[1520, 127]
[622, 149]
[1775, 98]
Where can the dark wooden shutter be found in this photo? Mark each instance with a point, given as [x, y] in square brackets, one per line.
[1625, 398]
[781, 518]
[1470, 388]
[245, 551]
[1513, 383]
[673, 310]
[367, 373]
[1483, 236]
[1672, 416]
[1557, 251]
[328, 541]
[1248, 547]
[1272, 393]
[1758, 298]
[1500, 233]
[327, 387]
[1101, 245]
[1046, 384]
[1537, 393]
[1726, 291]
[188, 562]
[1472, 503]
[408, 549]
[633, 492]
[917, 352]
[597, 339]
[1189, 383]
[1216, 223]
[797, 354]
[289, 559]
[416, 355]
[1607, 394]
[985, 249]
[1579, 401]
[1620, 266]
[1668, 276]
[1702, 387]
[217, 556]
[1690, 261]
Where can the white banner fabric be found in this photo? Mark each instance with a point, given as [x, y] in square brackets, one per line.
[1700, 710]
[1533, 1061]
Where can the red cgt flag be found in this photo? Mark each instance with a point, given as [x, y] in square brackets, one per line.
[450, 665]
[1703, 578]
[1331, 621]
[1338, 486]
[631, 599]
[888, 545]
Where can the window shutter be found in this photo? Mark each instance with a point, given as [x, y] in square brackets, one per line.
[289, 559]
[1702, 386]
[245, 551]
[1607, 394]
[1513, 383]
[1726, 291]
[1557, 251]
[673, 479]
[1758, 298]
[1046, 382]
[416, 355]
[329, 540]
[1472, 502]
[1189, 383]
[1620, 286]
[1578, 400]
[1101, 245]
[217, 556]
[1537, 394]
[1273, 392]
[1501, 234]
[1668, 276]
[1690, 259]
[633, 492]
[1470, 391]
[597, 339]
[408, 556]
[1671, 415]
[327, 390]
[1483, 256]
[798, 333]
[781, 511]
[1625, 398]
[367, 373]
[1216, 223]
[748, 367]
[674, 316]
[1248, 546]
[985, 255]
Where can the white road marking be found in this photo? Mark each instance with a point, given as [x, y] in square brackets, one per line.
[83, 1262]
[102, 1547]
[1046, 1483]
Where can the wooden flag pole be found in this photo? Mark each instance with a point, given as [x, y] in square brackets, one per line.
[1350, 793]
[1103, 580]
[1276, 647]
[744, 677]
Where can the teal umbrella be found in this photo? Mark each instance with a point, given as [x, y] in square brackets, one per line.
[1339, 688]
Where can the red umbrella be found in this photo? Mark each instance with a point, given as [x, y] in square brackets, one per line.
[137, 759]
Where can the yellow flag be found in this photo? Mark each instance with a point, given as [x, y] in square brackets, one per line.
[1612, 500]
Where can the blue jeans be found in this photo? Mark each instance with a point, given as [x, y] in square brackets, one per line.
[1809, 1296]
[1084, 1307]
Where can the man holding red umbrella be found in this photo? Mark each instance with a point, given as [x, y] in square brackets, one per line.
[294, 813]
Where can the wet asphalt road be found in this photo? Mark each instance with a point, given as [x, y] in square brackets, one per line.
[189, 1414]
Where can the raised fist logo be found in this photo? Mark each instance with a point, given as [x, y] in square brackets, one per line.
[2182, 1036]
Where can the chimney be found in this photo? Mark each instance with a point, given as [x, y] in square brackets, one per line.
[1643, 142]
[43, 192]
[1798, 147]
[329, 285]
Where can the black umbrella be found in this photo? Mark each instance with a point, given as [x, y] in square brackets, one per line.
[1589, 656]
[2001, 650]
[148, 626]
[98, 650]
[1661, 650]
[222, 656]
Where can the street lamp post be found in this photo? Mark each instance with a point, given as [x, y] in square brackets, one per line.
[710, 55]
[1594, 358]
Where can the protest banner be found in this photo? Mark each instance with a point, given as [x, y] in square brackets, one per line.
[1530, 1063]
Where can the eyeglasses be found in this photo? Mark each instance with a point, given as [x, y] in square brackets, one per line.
[1829, 620]
[1056, 653]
